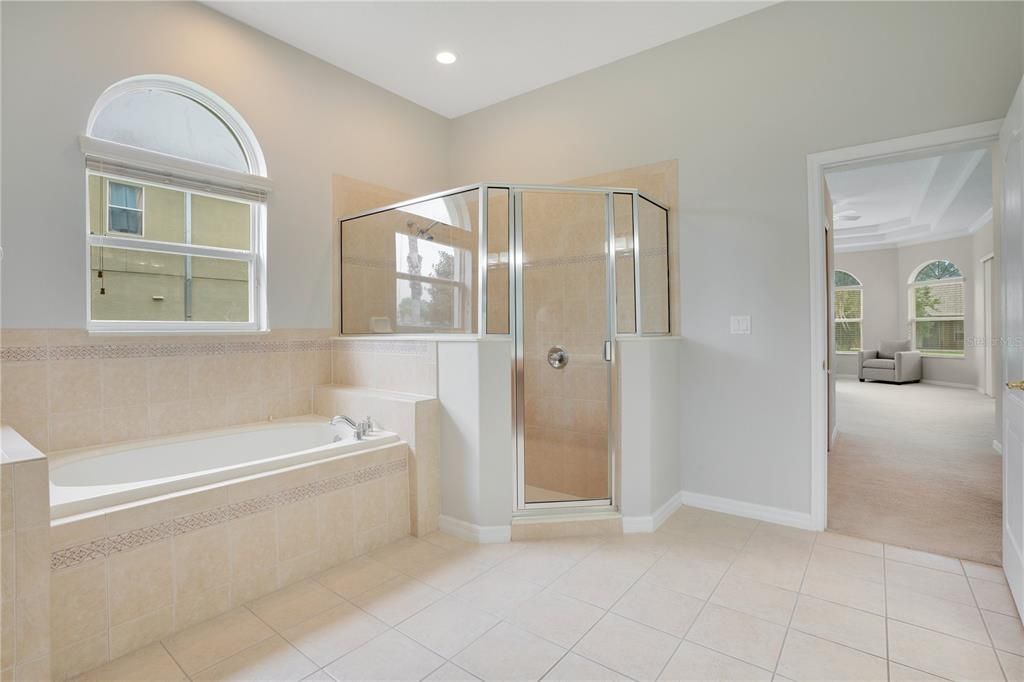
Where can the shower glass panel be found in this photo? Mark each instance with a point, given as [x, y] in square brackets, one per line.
[652, 248]
[565, 376]
[625, 273]
[499, 274]
[558, 270]
[412, 269]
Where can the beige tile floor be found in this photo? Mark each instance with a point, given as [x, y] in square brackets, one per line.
[709, 596]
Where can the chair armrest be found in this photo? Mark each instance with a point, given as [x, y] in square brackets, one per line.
[908, 365]
[861, 357]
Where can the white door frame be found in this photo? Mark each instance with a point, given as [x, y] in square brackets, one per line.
[988, 283]
[817, 164]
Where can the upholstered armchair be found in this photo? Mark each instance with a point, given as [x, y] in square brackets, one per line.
[893, 362]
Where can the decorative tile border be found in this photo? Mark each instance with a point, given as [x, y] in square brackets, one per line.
[114, 351]
[76, 555]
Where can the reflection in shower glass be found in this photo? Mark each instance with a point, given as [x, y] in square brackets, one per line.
[411, 269]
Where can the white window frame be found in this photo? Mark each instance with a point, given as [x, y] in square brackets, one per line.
[860, 320]
[458, 286]
[141, 210]
[133, 165]
[913, 319]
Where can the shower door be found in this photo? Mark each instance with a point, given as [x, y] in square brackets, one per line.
[564, 330]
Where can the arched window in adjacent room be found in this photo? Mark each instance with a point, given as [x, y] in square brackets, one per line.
[936, 309]
[176, 211]
[848, 312]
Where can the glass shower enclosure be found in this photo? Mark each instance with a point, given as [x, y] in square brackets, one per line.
[560, 271]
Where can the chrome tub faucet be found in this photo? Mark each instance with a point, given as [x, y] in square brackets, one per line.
[361, 428]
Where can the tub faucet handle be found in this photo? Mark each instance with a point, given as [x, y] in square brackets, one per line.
[368, 425]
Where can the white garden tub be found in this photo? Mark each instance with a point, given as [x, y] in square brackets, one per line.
[88, 479]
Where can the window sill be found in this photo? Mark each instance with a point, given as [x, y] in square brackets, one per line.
[847, 352]
[177, 332]
[939, 356]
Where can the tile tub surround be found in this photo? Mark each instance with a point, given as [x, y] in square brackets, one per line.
[408, 366]
[64, 388]
[135, 574]
[416, 419]
[709, 596]
[25, 590]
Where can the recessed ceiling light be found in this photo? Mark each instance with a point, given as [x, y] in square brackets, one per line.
[446, 57]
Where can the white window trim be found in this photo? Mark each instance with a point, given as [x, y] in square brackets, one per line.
[255, 257]
[141, 211]
[913, 319]
[835, 320]
[137, 165]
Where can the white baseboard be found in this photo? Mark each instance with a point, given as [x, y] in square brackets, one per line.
[474, 533]
[948, 384]
[997, 446]
[649, 524]
[785, 517]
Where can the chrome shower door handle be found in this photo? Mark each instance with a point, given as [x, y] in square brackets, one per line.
[558, 357]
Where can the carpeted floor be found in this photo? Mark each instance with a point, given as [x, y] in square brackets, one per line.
[913, 465]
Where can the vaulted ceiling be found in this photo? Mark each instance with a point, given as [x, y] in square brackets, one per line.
[504, 48]
[910, 201]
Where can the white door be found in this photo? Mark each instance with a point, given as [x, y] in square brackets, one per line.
[1012, 153]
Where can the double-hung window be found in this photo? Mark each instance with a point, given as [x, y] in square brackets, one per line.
[848, 311]
[176, 212]
[936, 306]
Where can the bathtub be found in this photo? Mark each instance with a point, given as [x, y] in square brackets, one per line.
[90, 479]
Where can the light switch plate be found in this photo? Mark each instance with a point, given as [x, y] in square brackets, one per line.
[739, 324]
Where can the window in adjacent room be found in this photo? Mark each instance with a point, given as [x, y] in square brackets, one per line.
[176, 211]
[936, 305]
[124, 208]
[848, 307]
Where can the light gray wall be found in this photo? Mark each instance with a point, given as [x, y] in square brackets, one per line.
[312, 120]
[878, 273]
[741, 105]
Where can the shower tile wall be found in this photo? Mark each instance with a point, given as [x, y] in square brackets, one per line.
[65, 389]
[565, 304]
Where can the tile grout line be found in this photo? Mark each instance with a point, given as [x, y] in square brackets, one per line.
[984, 624]
[796, 604]
[173, 659]
[885, 615]
[708, 601]
[609, 610]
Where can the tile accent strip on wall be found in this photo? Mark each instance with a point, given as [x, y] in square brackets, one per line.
[114, 351]
[76, 555]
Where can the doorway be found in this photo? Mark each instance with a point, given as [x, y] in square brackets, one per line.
[563, 358]
[937, 328]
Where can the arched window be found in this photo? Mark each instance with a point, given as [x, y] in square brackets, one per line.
[848, 310]
[176, 211]
[936, 309]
